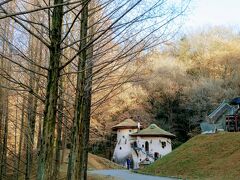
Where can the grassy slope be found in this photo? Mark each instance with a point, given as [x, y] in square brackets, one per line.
[94, 163]
[203, 157]
[97, 162]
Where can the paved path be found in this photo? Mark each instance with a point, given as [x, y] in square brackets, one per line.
[127, 175]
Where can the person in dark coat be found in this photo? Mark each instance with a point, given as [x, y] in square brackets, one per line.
[128, 163]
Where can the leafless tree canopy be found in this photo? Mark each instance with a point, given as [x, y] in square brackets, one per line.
[60, 60]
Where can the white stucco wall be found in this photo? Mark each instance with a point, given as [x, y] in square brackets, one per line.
[123, 147]
[155, 146]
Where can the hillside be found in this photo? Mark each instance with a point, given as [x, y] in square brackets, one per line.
[202, 157]
[97, 162]
[94, 163]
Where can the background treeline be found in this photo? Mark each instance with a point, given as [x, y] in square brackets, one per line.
[192, 78]
[182, 83]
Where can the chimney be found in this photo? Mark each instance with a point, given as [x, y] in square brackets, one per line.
[138, 124]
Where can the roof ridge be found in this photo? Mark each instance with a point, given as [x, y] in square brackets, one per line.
[126, 123]
[153, 130]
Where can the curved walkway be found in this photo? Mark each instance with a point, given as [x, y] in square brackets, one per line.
[127, 175]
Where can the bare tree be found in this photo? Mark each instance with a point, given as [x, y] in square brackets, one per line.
[84, 50]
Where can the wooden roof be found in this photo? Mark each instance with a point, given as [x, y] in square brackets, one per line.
[127, 123]
[221, 109]
[154, 130]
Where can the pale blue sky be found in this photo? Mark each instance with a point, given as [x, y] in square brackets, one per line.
[213, 13]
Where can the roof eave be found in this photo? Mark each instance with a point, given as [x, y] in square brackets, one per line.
[154, 135]
[124, 127]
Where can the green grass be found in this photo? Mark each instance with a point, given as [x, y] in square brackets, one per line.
[214, 156]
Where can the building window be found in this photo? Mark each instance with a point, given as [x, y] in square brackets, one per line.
[135, 144]
[147, 146]
[163, 144]
[120, 148]
[156, 156]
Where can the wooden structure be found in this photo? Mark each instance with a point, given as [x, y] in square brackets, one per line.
[225, 117]
[232, 123]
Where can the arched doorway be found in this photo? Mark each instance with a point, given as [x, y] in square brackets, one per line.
[147, 146]
[156, 156]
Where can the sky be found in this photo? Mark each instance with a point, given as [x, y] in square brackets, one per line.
[213, 13]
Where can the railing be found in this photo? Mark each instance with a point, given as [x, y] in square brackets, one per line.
[144, 152]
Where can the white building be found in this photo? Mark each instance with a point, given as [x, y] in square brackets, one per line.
[123, 148]
[142, 146]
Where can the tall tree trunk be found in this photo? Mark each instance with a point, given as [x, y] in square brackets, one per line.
[88, 98]
[1, 124]
[39, 132]
[59, 130]
[31, 113]
[3, 161]
[20, 139]
[15, 140]
[40, 117]
[4, 124]
[87, 113]
[4, 104]
[75, 165]
[45, 164]
[1, 129]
